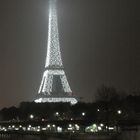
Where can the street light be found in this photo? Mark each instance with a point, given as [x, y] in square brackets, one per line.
[119, 112]
[83, 113]
[31, 116]
[48, 126]
[70, 125]
[99, 128]
[57, 113]
[101, 125]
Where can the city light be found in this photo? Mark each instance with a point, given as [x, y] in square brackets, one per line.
[99, 128]
[13, 126]
[119, 112]
[29, 126]
[111, 128]
[70, 128]
[20, 126]
[53, 125]
[57, 113]
[83, 113]
[48, 126]
[31, 116]
[92, 128]
[44, 129]
[53, 128]
[101, 125]
[70, 125]
[59, 129]
[77, 126]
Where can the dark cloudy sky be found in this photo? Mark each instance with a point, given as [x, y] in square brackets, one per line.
[100, 44]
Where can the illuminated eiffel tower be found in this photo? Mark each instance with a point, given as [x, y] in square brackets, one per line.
[54, 85]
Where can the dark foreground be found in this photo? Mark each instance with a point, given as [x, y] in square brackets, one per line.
[68, 136]
[83, 136]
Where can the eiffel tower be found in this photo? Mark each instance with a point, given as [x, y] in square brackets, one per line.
[54, 85]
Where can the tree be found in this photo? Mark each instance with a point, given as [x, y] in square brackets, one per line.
[107, 94]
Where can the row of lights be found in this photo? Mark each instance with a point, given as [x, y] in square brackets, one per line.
[118, 111]
[54, 128]
[83, 113]
[28, 128]
[49, 127]
[56, 114]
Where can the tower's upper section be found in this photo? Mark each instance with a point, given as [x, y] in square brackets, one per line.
[53, 58]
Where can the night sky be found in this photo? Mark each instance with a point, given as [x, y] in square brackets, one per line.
[99, 40]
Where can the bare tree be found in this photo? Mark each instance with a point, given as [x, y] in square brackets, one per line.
[105, 93]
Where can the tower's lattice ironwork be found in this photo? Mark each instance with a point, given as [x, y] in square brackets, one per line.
[54, 67]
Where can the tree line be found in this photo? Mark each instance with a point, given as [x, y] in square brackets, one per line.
[110, 107]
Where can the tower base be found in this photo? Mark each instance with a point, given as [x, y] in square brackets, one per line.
[56, 100]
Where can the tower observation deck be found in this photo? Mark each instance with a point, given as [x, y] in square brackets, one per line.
[54, 85]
